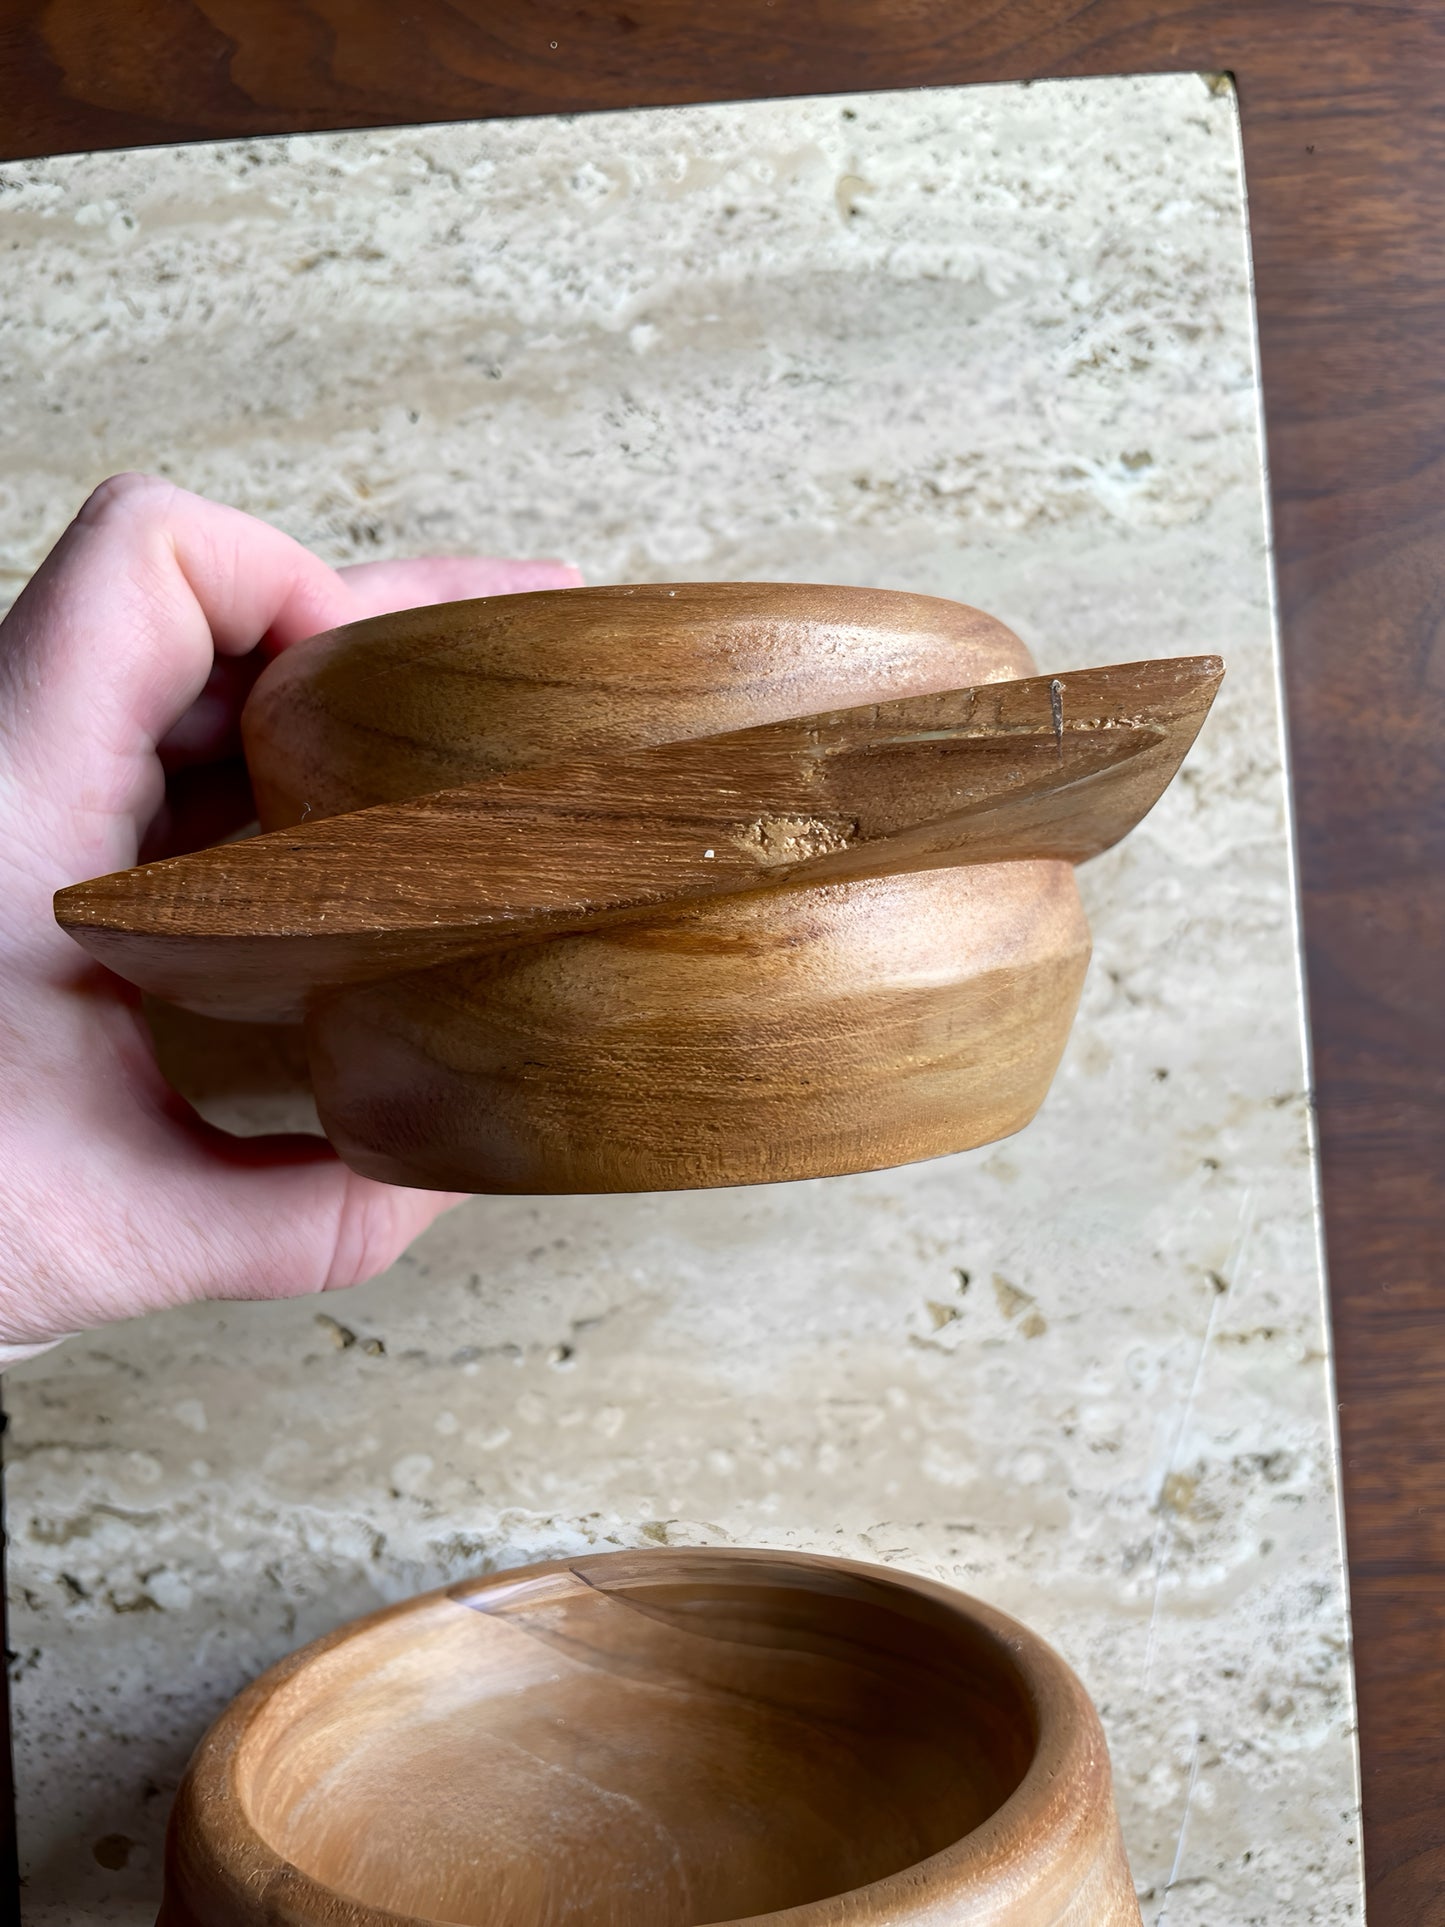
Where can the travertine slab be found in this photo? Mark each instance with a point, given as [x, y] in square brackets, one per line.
[995, 344]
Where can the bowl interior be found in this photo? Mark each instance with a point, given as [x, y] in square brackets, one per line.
[702, 1742]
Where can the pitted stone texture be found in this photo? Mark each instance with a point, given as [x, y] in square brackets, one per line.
[995, 344]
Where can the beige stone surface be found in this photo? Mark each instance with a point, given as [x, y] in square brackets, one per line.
[994, 344]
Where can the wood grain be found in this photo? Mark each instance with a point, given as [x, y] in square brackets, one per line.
[1344, 133]
[421, 700]
[822, 944]
[652, 1739]
[1044, 769]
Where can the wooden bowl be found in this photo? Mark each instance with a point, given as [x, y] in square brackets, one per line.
[799, 1034]
[658, 1739]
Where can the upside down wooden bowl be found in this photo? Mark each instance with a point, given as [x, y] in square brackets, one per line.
[658, 1739]
[804, 1033]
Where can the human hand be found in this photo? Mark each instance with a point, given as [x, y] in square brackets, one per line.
[125, 662]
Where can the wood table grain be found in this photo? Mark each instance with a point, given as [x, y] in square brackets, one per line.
[1343, 111]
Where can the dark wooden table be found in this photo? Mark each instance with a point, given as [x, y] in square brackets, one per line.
[1343, 106]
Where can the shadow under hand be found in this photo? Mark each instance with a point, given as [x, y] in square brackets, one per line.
[245, 1078]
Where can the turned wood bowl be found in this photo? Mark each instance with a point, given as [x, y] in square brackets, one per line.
[664, 1738]
[803, 1033]
[656, 887]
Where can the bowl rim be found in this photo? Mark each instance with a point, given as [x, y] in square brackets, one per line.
[1063, 1803]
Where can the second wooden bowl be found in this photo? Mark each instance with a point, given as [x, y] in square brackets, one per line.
[658, 1739]
[804, 1033]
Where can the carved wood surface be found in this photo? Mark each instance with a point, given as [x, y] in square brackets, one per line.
[1038, 769]
[1345, 162]
[611, 961]
[649, 1739]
